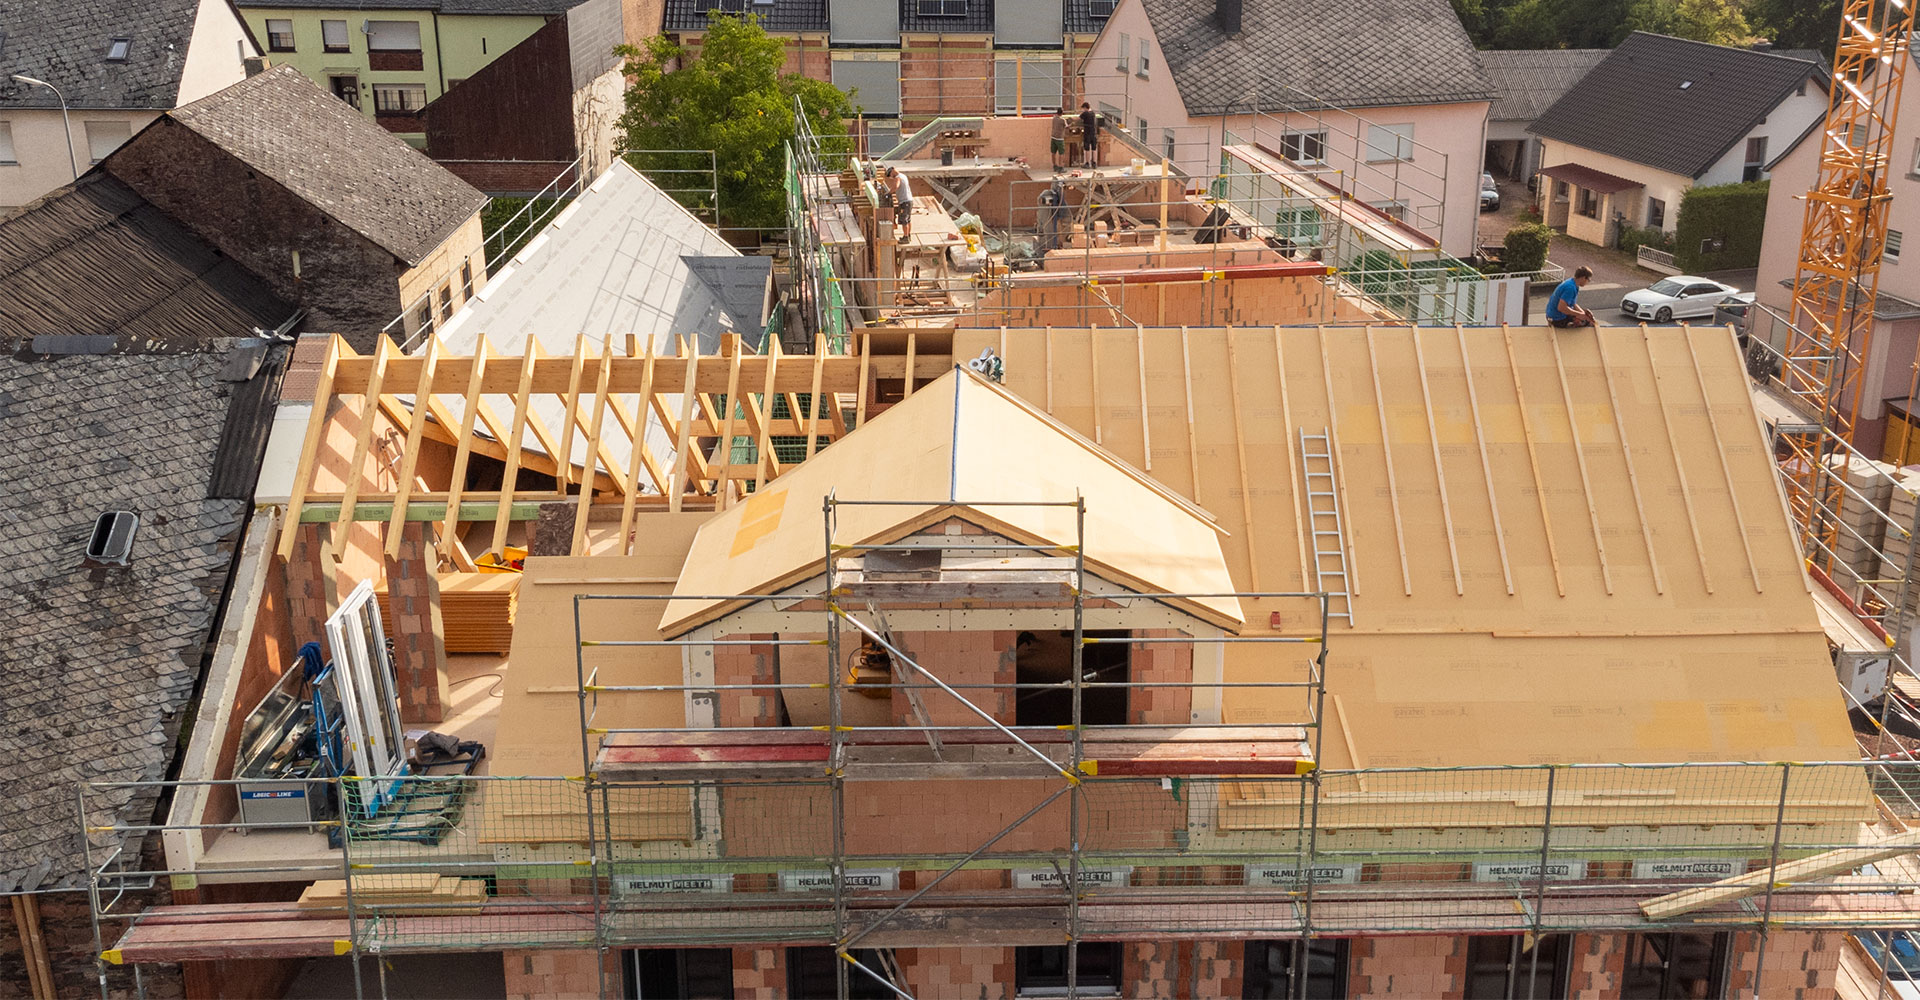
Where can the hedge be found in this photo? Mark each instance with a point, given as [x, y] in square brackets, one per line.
[1719, 227]
[1527, 245]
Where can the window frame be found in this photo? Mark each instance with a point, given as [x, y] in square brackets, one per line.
[1401, 142]
[937, 8]
[1587, 205]
[1339, 950]
[1718, 961]
[418, 36]
[274, 43]
[1299, 140]
[9, 156]
[1657, 219]
[123, 44]
[379, 88]
[1142, 71]
[1890, 246]
[1029, 983]
[346, 35]
[1559, 970]
[86, 129]
[1102, 8]
[1124, 61]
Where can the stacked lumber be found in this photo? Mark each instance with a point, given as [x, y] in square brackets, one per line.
[1859, 542]
[411, 894]
[476, 610]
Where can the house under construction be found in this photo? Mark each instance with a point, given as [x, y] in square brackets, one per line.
[1147, 661]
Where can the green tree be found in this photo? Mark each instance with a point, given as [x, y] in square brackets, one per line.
[1797, 24]
[1716, 21]
[729, 97]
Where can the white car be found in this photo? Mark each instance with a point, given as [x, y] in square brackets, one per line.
[1679, 297]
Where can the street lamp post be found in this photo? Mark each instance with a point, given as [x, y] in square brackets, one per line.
[66, 122]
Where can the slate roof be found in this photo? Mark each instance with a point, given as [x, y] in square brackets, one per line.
[780, 16]
[310, 142]
[1670, 103]
[171, 290]
[97, 666]
[1352, 54]
[442, 6]
[977, 18]
[1526, 82]
[1080, 19]
[65, 44]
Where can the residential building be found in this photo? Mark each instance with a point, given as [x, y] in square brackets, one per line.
[131, 449]
[1526, 82]
[391, 58]
[1659, 116]
[1403, 134]
[519, 121]
[1886, 370]
[911, 61]
[118, 64]
[332, 212]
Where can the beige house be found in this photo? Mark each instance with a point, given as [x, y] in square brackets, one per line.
[1660, 116]
[116, 65]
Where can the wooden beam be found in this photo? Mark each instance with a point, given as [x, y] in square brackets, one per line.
[463, 451]
[1140, 365]
[731, 346]
[769, 465]
[1726, 470]
[866, 352]
[813, 393]
[912, 343]
[841, 373]
[680, 444]
[1093, 380]
[1811, 869]
[1439, 470]
[424, 509]
[1679, 467]
[1533, 461]
[356, 467]
[310, 445]
[1289, 445]
[1386, 451]
[1340, 481]
[1633, 476]
[410, 455]
[593, 446]
[522, 402]
[641, 454]
[1240, 455]
[1580, 456]
[570, 406]
[1486, 466]
[1186, 379]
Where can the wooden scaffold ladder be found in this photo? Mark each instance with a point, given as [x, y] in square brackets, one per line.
[1324, 524]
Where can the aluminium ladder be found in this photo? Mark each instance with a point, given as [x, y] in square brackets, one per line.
[1324, 524]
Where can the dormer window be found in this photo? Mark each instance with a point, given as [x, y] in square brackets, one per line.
[1101, 8]
[943, 8]
[117, 49]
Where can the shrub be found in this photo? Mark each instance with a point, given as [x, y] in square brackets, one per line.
[1719, 227]
[1526, 246]
[1632, 238]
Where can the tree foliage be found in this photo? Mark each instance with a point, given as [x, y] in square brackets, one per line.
[1601, 24]
[731, 97]
[1526, 245]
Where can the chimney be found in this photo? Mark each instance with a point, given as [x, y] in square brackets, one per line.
[1228, 13]
[255, 65]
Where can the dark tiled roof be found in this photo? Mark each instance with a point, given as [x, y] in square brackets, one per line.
[1672, 104]
[780, 16]
[97, 666]
[1528, 81]
[169, 289]
[442, 6]
[65, 44]
[1081, 21]
[1354, 54]
[976, 19]
[282, 125]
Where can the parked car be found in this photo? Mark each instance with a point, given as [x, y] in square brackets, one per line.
[1489, 194]
[1736, 309]
[1679, 297]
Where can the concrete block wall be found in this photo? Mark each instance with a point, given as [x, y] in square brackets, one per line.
[759, 974]
[1427, 967]
[574, 974]
[1800, 965]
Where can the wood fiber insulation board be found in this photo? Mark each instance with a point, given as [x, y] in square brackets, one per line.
[1660, 668]
[477, 608]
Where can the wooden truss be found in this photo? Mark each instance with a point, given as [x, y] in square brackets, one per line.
[582, 419]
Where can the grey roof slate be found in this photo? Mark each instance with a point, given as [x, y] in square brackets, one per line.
[1081, 20]
[65, 44]
[1670, 103]
[441, 6]
[780, 16]
[1352, 54]
[310, 142]
[97, 666]
[1528, 81]
[170, 289]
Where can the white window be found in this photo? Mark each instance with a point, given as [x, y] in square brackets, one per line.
[391, 36]
[1396, 210]
[1389, 142]
[105, 137]
[1143, 57]
[1891, 249]
[1915, 167]
[6, 143]
[1126, 43]
[333, 36]
[1167, 142]
[1143, 130]
[279, 35]
[1304, 147]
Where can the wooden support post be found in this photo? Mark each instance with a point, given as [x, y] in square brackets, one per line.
[522, 402]
[761, 412]
[1439, 470]
[363, 440]
[1580, 456]
[410, 456]
[310, 445]
[813, 395]
[562, 460]
[731, 346]
[680, 446]
[1386, 451]
[1240, 457]
[463, 451]
[593, 449]
[1533, 461]
[641, 453]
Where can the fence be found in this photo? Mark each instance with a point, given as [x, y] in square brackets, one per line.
[1656, 260]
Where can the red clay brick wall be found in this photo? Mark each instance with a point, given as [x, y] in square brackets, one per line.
[961, 658]
[973, 973]
[1431, 968]
[1161, 662]
[944, 76]
[759, 974]
[747, 665]
[419, 649]
[542, 974]
[1169, 970]
[1800, 965]
[1599, 961]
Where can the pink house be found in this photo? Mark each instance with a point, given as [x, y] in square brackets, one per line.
[1308, 80]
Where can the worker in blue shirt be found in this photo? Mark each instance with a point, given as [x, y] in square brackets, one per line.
[1563, 309]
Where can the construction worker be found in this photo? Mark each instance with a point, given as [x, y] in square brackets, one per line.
[1563, 308]
[1058, 145]
[1089, 136]
[902, 201]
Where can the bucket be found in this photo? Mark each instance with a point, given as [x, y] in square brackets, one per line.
[1139, 166]
[946, 157]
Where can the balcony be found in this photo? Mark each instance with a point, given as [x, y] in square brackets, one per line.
[395, 59]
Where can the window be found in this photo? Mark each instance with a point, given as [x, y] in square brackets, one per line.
[1101, 8]
[1270, 965]
[1502, 967]
[399, 98]
[1143, 130]
[1042, 972]
[706, 973]
[1890, 251]
[1143, 58]
[875, 82]
[727, 6]
[943, 8]
[346, 88]
[6, 143]
[105, 137]
[1589, 207]
[1304, 147]
[1126, 43]
[1389, 142]
[1675, 965]
[1656, 214]
[423, 318]
[1166, 142]
[117, 49]
[333, 36]
[1913, 170]
[1026, 85]
[1045, 657]
[1756, 162]
[393, 36]
[446, 302]
[279, 35]
[1395, 210]
[812, 972]
[466, 279]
